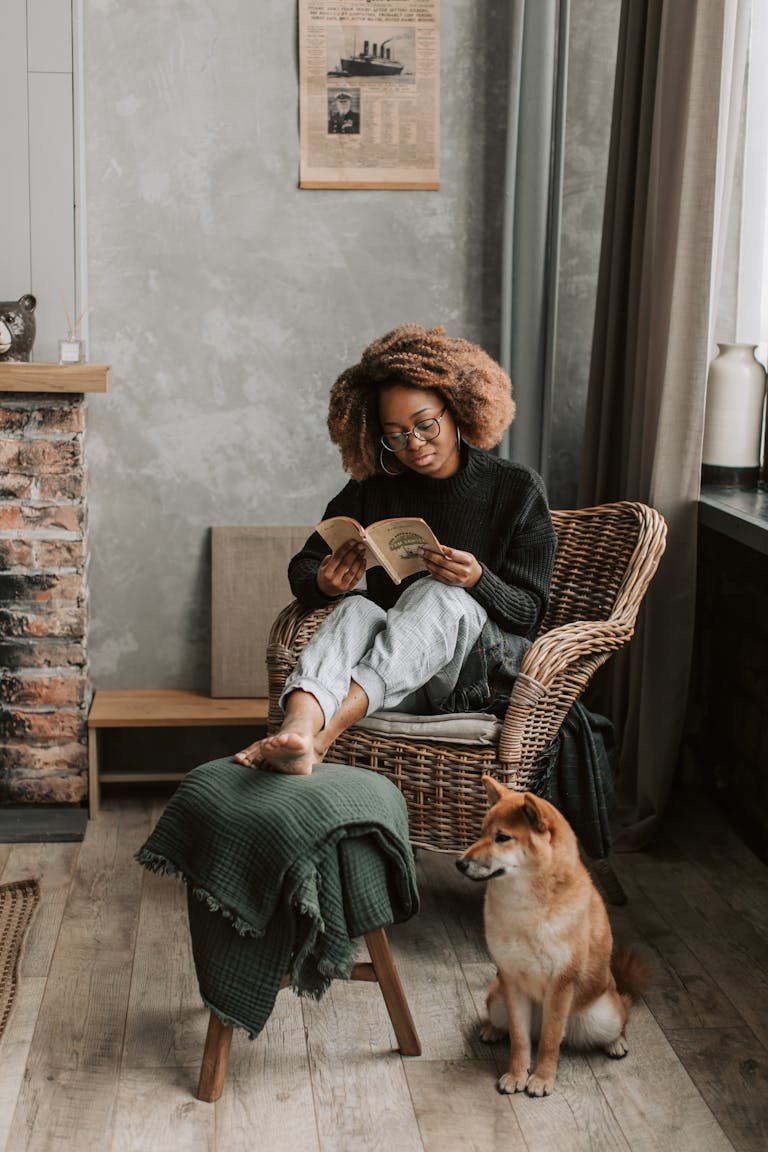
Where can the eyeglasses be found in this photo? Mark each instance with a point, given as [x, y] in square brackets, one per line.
[424, 430]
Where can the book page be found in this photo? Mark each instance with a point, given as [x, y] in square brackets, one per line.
[400, 539]
[338, 530]
[369, 75]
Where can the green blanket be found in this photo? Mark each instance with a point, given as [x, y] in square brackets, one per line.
[575, 773]
[282, 873]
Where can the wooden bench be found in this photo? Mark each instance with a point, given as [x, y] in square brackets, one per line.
[150, 708]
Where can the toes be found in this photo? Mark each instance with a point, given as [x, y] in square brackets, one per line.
[249, 756]
[618, 1049]
[510, 1083]
[489, 1033]
[539, 1086]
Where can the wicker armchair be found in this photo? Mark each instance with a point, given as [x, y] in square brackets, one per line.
[605, 561]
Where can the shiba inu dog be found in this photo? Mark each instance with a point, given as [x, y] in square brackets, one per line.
[548, 933]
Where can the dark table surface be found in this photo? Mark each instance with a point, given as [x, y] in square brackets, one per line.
[741, 515]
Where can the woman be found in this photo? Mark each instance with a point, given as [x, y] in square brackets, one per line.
[412, 421]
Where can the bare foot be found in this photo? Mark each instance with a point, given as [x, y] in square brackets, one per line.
[290, 752]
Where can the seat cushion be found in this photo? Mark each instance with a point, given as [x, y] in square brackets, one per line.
[450, 728]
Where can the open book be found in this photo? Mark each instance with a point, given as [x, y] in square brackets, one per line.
[392, 543]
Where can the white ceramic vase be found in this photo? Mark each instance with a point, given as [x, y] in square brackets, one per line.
[733, 417]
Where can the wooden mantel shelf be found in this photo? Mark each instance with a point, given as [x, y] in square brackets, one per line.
[54, 377]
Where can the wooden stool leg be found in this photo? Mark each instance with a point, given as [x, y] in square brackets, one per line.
[213, 1071]
[392, 991]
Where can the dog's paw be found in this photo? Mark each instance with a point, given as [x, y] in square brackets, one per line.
[618, 1049]
[512, 1082]
[539, 1085]
[489, 1033]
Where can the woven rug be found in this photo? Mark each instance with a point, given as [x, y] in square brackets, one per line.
[17, 903]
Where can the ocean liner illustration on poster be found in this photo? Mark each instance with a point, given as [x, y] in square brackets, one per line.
[374, 60]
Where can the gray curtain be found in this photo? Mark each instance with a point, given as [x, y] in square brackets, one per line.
[538, 46]
[645, 406]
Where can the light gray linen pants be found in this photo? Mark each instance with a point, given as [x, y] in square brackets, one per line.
[408, 658]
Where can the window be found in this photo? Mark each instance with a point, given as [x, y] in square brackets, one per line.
[752, 285]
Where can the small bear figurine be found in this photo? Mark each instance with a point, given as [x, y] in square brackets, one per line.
[17, 329]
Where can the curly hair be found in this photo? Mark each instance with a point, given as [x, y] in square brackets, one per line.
[476, 389]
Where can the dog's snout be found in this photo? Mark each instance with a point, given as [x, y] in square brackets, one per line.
[462, 864]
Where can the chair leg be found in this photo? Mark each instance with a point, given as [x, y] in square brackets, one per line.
[392, 991]
[213, 1071]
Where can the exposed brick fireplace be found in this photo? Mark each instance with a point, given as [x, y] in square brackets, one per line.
[44, 685]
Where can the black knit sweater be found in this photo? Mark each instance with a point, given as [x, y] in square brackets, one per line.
[494, 508]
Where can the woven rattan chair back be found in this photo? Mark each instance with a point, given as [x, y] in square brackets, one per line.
[595, 548]
[606, 559]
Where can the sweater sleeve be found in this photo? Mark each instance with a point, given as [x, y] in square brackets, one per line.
[302, 569]
[516, 595]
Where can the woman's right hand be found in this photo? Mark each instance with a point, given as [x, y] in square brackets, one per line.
[342, 570]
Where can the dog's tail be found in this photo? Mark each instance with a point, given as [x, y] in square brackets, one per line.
[630, 971]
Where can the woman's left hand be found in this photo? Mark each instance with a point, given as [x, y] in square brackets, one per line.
[461, 569]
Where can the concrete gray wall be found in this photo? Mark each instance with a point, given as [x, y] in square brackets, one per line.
[227, 300]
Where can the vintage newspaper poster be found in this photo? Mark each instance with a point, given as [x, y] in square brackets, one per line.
[369, 93]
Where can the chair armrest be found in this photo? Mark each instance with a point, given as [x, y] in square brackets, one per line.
[555, 651]
[295, 624]
[291, 630]
[555, 671]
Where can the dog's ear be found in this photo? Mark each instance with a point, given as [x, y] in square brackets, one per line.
[493, 790]
[534, 813]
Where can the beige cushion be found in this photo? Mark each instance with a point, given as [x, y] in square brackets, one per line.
[458, 728]
[249, 586]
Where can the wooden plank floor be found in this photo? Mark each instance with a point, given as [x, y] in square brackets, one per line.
[103, 1048]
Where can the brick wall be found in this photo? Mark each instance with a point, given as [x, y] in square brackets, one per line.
[44, 688]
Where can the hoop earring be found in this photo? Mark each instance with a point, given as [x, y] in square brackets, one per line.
[384, 467]
[458, 439]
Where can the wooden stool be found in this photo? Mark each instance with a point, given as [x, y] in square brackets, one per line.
[381, 970]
